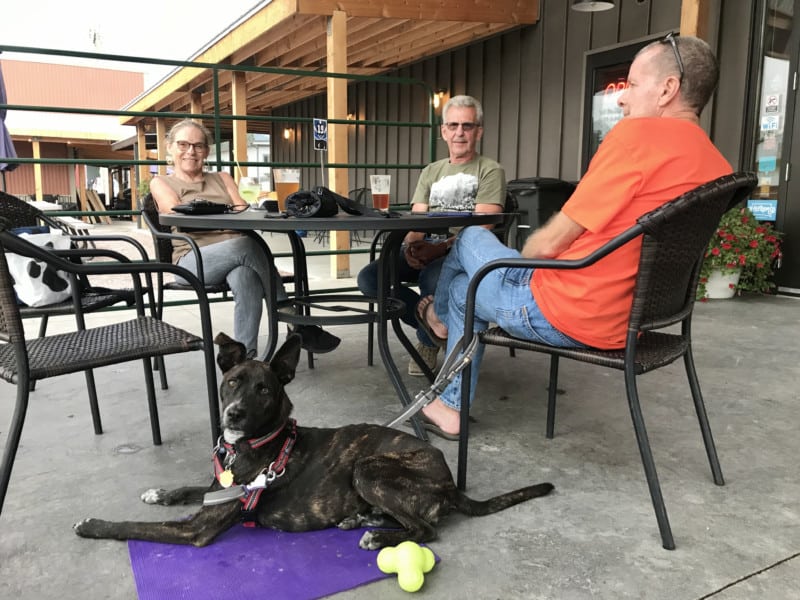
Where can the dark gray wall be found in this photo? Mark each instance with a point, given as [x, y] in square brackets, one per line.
[530, 81]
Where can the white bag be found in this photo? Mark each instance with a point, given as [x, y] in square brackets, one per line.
[37, 283]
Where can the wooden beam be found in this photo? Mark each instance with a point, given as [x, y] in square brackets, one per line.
[337, 134]
[37, 170]
[161, 140]
[518, 12]
[239, 107]
[141, 154]
[694, 18]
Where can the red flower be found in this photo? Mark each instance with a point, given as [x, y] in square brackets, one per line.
[754, 243]
[726, 246]
[715, 251]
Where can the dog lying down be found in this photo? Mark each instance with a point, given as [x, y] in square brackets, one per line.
[306, 477]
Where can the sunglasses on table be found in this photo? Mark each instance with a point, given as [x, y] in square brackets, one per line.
[670, 39]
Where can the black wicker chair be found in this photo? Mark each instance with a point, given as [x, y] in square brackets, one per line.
[24, 214]
[162, 242]
[674, 238]
[23, 361]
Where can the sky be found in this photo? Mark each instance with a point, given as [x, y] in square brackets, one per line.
[165, 29]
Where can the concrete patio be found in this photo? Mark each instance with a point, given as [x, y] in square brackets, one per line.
[594, 537]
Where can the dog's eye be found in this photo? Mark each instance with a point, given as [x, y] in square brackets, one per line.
[232, 383]
[262, 389]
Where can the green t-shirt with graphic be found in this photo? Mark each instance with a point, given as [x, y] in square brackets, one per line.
[448, 187]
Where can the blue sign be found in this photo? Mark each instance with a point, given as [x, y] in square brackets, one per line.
[763, 210]
[321, 129]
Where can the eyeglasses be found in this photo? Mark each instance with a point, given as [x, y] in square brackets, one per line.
[670, 39]
[198, 147]
[467, 127]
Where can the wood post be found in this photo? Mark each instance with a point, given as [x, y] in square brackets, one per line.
[337, 134]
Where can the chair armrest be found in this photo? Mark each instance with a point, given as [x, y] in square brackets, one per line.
[540, 263]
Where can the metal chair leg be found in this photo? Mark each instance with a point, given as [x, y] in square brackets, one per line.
[14, 434]
[702, 418]
[647, 461]
[551, 396]
[152, 405]
[94, 406]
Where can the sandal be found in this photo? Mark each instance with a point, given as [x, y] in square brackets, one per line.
[422, 310]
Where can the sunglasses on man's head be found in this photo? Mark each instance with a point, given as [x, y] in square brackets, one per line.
[670, 39]
[467, 127]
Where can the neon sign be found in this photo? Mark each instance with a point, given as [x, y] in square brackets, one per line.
[615, 88]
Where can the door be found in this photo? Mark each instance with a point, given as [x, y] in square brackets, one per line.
[776, 139]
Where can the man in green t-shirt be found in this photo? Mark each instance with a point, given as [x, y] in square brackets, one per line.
[464, 181]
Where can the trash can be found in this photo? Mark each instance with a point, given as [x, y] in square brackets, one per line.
[538, 198]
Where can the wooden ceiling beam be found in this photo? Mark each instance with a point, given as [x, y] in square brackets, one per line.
[516, 12]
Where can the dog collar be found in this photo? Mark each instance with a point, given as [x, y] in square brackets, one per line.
[249, 494]
[224, 453]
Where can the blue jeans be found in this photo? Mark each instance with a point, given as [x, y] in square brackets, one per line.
[241, 262]
[504, 297]
[426, 278]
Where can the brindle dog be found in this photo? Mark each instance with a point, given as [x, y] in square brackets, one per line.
[352, 476]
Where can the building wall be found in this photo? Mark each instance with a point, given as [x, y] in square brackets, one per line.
[530, 82]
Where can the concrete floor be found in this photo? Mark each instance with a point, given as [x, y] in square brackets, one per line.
[594, 537]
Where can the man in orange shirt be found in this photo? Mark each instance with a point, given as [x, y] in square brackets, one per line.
[654, 154]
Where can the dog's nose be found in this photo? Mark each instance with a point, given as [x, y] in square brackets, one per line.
[234, 413]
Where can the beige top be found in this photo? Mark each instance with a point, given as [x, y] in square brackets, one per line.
[211, 188]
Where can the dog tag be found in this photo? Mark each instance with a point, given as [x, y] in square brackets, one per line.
[226, 478]
[223, 496]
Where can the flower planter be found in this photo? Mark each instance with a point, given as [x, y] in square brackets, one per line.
[722, 285]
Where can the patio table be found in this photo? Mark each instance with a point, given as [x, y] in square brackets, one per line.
[338, 307]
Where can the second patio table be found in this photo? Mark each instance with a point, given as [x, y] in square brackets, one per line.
[388, 308]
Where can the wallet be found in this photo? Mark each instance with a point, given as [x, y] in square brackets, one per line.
[200, 207]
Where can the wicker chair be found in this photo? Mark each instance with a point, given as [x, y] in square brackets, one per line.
[162, 242]
[23, 361]
[674, 238]
[23, 214]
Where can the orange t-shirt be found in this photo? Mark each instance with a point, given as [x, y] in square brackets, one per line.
[641, 164]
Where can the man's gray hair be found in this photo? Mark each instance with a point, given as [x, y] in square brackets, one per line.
[700, 68]
[464, 102]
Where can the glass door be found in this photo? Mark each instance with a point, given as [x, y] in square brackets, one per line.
[777, 132]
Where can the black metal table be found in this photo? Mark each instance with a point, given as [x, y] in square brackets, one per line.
[388, 307]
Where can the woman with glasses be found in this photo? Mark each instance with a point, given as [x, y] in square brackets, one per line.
[227, 255]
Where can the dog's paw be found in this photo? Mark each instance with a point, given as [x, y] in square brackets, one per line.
[154, 496]
[368, 541]
[86, 527]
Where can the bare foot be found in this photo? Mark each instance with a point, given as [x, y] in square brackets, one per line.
[446, 418]
[426, 313]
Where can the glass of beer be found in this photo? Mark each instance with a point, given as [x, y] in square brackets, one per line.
[287, 182]
[380, 184]
[249, 189]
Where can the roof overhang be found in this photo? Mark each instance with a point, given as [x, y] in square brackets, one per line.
[292, 34]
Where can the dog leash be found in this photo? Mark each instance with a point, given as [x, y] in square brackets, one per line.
[454, 363]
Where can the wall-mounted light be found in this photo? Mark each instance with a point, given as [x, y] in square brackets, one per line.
[592, 5]
[438, 98]
[287, 133]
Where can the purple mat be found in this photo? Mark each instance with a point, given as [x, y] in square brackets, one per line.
[254, 563]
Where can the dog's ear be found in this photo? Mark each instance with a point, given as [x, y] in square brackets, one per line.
[284, 363]
[231, 352]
